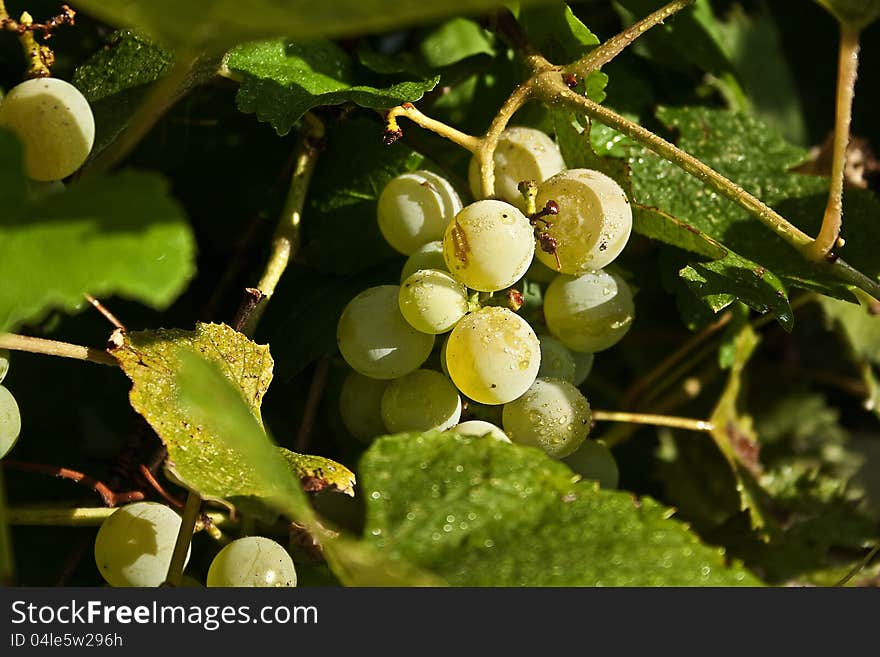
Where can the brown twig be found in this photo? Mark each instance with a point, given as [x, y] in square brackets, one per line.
[66, 16]
[109, 497]
[151, 481]
[101, 308]
[252, 299]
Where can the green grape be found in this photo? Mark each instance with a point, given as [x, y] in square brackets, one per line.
[427, 256]
[489, 245]
[432, 301]
[360, 407]
[420, 401]
[252, 561]
[594, 461]
[55, 124]
[4, 364]
[583, 365]
[493, 355]
[552, 415]
[590, 312]
[593, 223]
[376, 340]
[134, 544]
[480, 428]
[557, 361]
[522, 154]
[415, 208]
[10, 421]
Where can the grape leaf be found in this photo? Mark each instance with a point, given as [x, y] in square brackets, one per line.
[733, 431]
[216, 24]
[115, 80]
[453, 41]
[755, 157]
[483, 513]
[283, 80]
[120, 234]
[151, 359]
[860, 325]
[563, 38]
[210, 399]
[752, 42]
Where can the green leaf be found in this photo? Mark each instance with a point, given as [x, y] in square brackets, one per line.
[120, 234]
[721, 282]
[198, 457]
[284, 80]
[752, 42]
[563, 38]
[758, 159]
[483, 513]
[115, 80]
[454, 40]
[733, 431]
[221, 23]
[859, 324]
[209, 392]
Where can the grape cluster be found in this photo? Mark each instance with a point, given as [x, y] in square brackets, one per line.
[135, 543]
[55, 124]
[460, 281]
[10, 417]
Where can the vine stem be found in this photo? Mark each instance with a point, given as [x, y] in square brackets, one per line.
[847, 72]
[608, 50]
[191, 513]
[287, 234]
[409, 111]
[654, 420]
[83, 516]
[486, 151]
[708, 176]
[15, 342]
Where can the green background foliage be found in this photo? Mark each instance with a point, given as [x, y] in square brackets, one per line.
[785, 490]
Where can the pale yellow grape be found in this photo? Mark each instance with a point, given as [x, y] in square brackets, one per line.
[10, 421]
[421, 401]
[480, 428]
[590, 312]
[252, 561]
[493, 355]
[489, 245]
[55, 124]
[552, 415]
[134, 544]
[522, 154]
[432, 301]
[594, 461]
[593, 224]
[4, 364]
[556, 360]
[360, 406]
[415, 208]
[583, 365]
[427, 256]
[376, 340]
